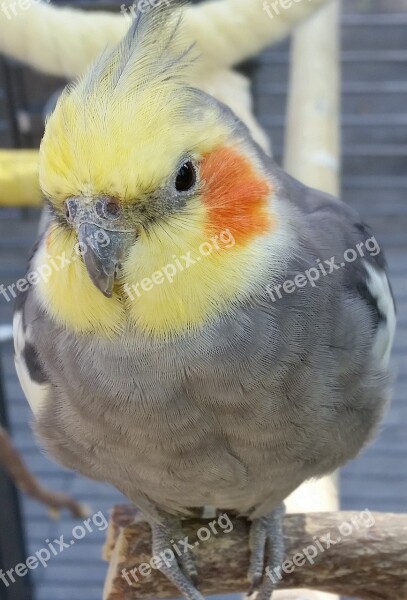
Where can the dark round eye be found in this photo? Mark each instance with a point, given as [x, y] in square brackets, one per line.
[186, 177]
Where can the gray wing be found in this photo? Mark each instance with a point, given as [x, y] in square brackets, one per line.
[342, 234]
[31, 374]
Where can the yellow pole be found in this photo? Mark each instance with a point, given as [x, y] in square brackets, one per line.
[19, 178]
[312, 155]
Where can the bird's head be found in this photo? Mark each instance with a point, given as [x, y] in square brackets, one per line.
[160, 200]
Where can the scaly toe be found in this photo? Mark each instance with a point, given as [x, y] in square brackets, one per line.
[180, 570]
[267, 552]
[257, 545]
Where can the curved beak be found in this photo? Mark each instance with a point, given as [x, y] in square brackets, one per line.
[103, 251]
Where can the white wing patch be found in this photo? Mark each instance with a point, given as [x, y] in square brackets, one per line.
[379, 288]
[36, 393]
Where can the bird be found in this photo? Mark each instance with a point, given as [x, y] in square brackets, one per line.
[197, 328]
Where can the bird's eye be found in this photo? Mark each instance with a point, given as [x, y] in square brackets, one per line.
[186, 177]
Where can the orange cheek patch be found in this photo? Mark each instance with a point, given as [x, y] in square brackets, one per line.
[235, 195]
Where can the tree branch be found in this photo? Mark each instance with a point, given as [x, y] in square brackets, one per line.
[363, 555]
[26, 482]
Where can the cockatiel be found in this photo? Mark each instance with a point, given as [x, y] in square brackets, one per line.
[221, 385]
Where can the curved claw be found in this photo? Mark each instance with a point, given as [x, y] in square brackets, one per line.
[267, 552]
[181, 571]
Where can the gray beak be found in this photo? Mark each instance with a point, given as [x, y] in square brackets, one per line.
[103, 251]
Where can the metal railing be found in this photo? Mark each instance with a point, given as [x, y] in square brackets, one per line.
[12, 543]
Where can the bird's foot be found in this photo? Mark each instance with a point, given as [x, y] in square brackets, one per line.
[178, 567]
[267, 553]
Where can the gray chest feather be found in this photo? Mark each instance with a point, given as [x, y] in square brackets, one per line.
[235, 418]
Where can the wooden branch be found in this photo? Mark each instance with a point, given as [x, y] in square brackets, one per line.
[363, 555]
[26, 482]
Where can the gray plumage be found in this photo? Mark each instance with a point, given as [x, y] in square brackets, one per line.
[240, 414]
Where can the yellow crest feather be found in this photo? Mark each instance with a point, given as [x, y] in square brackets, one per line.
[121, 129]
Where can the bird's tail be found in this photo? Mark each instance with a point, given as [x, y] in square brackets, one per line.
[64, 41]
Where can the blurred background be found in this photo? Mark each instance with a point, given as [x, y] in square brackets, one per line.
[374, 181]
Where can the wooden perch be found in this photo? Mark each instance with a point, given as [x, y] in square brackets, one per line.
[362, 555]
[26, 482]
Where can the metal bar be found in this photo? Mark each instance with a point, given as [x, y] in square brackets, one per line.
[12, 543]
[11, 103]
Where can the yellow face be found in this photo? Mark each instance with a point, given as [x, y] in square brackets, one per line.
[164, 165]
[186, 268]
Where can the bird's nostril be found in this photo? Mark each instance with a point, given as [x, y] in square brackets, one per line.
[107, 207]
[70, 209]
[112, 208]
